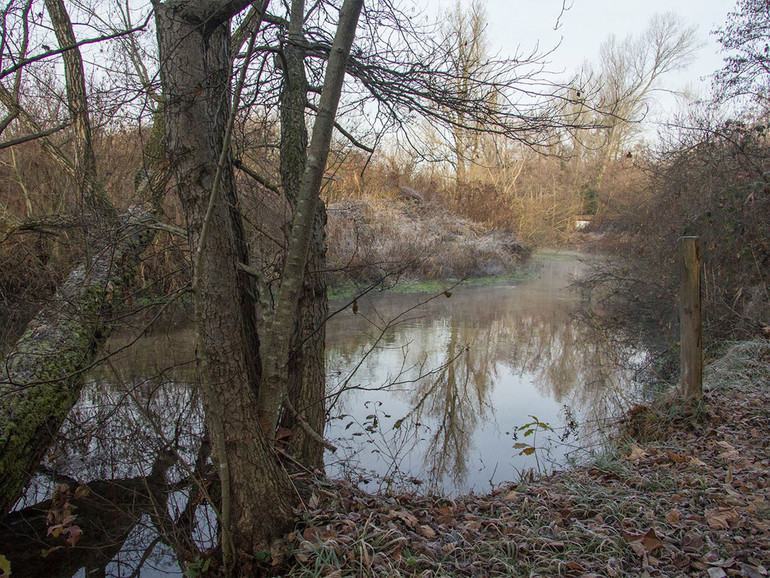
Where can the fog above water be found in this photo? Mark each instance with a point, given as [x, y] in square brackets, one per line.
[426, 392]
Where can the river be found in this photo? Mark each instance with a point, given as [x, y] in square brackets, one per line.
[461, 393]
[450, 392]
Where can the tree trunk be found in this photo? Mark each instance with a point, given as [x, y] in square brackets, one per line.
[307, 364]
[43, 373]
[257, 496]
[92, 194]
[306, 370]
[281, 327]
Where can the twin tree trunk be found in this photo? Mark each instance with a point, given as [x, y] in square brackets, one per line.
[245, 383]
[306, 370]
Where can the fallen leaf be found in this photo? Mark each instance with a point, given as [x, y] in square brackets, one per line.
[729, 476]
[673, 517]
[721, 518]
[46, 553]
[55, 531]
[643, 543]
[716, 572]
[751, 571]
[426, 531]
[75, 533]
[575, 566]
[5, 566]
[82, 491]
[692, 542]
[730, 453]
[636, 454]
[310, 535]
[678, 458]
[408, 518]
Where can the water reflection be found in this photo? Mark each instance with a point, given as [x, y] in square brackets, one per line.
[466, 372]
[126, 494]
[96, 527]
[429, 394]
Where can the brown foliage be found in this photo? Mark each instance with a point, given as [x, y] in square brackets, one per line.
[711, 182]
[40, 228]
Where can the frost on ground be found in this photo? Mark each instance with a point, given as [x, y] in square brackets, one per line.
[389, 239]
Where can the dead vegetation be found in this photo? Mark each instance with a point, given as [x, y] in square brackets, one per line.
[693, 500]
[376, 239]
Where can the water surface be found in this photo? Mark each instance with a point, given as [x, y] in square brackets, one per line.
[451, 392]
[439, 390]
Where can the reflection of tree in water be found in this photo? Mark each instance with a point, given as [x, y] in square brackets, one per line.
[468, 346]
[456, 399]
[134, 472]
[109, 514]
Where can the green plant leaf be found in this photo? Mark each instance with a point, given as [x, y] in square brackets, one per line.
[5, 566]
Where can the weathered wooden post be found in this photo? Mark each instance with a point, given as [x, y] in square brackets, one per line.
[691, 338]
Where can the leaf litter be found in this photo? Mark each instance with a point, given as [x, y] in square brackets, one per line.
[692, 501]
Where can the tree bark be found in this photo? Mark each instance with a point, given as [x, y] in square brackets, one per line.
[281, 326]
[257, 496]
[306, 372]
[92, 194]
[43, 373]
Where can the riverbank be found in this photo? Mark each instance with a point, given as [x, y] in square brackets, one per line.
[388, 242]
[678, 494]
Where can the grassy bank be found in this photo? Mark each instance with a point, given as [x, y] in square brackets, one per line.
[524, 269]
[527, 271]
[679, 493]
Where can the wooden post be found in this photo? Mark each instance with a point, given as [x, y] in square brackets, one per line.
[690, 318]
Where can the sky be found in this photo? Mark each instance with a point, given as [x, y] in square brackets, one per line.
[521, 25]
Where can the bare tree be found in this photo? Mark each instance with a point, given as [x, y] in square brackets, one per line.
[464, 38]
[42, 375]
[260, 341]
[624, 84]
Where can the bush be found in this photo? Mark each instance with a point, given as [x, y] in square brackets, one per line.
[711, 181]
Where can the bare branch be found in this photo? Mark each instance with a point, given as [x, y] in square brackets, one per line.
[272, 187]
[29, 137]
[62, 49]
[355, 142]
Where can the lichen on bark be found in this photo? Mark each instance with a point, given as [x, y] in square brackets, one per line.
[42, 375]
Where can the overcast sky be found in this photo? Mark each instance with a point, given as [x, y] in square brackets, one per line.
[525, 23]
